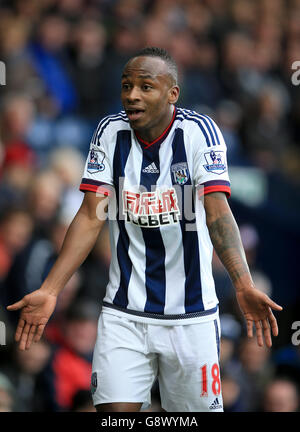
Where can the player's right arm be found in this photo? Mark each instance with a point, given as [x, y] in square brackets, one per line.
[38, 306]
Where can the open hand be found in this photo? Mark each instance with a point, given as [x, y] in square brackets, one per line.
[257, 309]
[37, 307]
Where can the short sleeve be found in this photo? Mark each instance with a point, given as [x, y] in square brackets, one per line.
[97, 175]
[210, 158]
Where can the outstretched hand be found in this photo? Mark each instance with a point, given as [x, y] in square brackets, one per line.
[36, 309]
[257, 309]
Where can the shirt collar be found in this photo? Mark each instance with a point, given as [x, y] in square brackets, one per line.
[161, 138]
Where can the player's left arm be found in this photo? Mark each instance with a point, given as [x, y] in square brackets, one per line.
[224, 233]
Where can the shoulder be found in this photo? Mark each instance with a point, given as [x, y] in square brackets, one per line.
[194, 123]
[194, 120]
[112, 124]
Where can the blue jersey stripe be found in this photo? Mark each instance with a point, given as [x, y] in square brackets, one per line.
[205, 121]
[105, 122]
[193, 289]
[202, 118]
[155, 276]
[121, 154]
[217, 337]
[213, 127]
[101, 122]
[199, 123]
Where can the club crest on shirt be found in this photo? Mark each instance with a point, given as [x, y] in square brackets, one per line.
[215, 162]
[95, 162]
[180, 172]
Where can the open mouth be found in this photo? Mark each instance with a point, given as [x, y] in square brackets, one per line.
[134, 114]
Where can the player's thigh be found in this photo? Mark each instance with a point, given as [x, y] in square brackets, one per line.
[122, 371]
[119, 407]
[189, 375]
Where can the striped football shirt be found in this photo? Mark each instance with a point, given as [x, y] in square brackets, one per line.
[161, 265]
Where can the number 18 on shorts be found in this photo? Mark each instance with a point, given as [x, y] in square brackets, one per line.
[130, 355]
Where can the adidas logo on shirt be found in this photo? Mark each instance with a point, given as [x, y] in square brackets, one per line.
[152, 168]
[215, 404]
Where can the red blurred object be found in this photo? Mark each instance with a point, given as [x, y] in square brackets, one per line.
[18, 153]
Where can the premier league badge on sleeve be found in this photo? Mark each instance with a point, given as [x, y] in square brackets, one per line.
[180, 172]
[215, 162]
[95, 162]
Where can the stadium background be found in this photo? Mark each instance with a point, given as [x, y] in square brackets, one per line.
[63, 63]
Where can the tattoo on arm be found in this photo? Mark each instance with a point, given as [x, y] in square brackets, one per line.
[226, 240]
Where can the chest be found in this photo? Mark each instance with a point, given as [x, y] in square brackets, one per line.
[165, 165]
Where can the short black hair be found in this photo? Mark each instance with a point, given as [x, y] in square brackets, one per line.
[164, 55]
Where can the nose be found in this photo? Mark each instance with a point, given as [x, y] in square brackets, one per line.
[134, 94]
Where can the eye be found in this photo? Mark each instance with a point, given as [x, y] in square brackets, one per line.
[125, 86]
[147, 87]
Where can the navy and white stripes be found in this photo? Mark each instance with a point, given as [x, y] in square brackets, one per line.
[205, 123]
[161, 267]
[104, 123]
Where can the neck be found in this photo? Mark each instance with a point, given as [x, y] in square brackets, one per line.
[156, 131]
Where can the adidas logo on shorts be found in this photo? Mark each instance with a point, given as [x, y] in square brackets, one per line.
[215, 404]
[152, 168]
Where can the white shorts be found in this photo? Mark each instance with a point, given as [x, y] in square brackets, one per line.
[129, 355]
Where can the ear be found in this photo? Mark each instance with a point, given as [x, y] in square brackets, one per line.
[174, 94]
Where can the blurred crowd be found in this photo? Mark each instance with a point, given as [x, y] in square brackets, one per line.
[63, 61]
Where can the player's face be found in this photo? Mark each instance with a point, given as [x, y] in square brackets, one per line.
[148, 93]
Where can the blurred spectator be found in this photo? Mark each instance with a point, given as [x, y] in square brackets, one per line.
[228, 117]
[90, 69]
[230, 335]
[236, 53]
[71, 10]
[256, 370]
[52, 64]
[82, 402]
[125, 42]
[230, 367]
[19, 161]
[286, 360]
[156, 34]
[34, 262]
[250, 240]
[15, 231]
[244, 14]
[8, 336]
[266, 130]
[226, 293]
[6, 394]
[14, 37]
[254, 358]
[128, 10]
[199, 79]
[24, 374]
[70, 366]
[16, 176]
[184, 58]
[44, 199]
[68, 163]
[281, 395]
[233, 398]
[16, 117]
